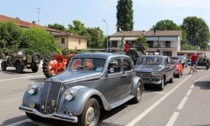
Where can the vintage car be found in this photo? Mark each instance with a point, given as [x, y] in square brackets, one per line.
[21, 60]
[184, 61]
[179, 68]
[203, 62]
[90, 82]
[155, 70]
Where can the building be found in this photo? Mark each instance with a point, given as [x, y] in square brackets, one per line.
[167, 42]
[63, 39]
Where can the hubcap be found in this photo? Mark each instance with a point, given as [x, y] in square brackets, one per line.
[90, 115]
[138, 93]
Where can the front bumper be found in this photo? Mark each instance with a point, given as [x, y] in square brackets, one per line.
[57, 116]
[151, 81]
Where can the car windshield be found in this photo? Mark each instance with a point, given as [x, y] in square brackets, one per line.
[91, 64]
[149, 61]
[175, 61]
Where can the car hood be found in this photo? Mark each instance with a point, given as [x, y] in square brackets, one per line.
[75, 76]
[148, 68]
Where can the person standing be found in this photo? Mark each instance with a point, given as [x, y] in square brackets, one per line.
[194, 59]
[126, 47]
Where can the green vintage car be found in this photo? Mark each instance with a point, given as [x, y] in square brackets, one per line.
[90, 82]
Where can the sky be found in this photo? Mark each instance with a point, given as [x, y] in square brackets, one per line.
[92, 12]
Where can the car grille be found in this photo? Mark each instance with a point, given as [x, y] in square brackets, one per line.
[144, 75]
[50, 96]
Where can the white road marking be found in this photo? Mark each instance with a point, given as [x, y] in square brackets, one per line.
[192, 86]
[173, 119]
[20, 122]
[143, 114]
[182, 103]
[189, 92]
[20, 78]
[160, 93]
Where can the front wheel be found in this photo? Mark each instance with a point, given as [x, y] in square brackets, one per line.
[35, 69]
[139, 91]
[162, 84]
[19, 67]
[207, 66]
[3, 66]
[91, 113]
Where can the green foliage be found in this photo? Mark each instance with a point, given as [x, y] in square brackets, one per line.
[38, 40]
[166, 25]
[57, 27]
[95, 38]
[125, 15]
[141, 44]
[10, 36]
[197, 31]
[66, 51]
[77, 28]
[187, 46]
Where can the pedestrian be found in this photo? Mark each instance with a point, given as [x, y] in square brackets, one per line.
[194, 59]
[126, 47]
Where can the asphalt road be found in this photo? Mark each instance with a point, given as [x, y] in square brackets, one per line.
[183, 103]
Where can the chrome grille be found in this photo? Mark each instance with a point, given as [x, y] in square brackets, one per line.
[144, 74]
[49, 97]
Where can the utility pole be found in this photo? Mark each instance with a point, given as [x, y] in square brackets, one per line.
[107, 41]
[38, 11]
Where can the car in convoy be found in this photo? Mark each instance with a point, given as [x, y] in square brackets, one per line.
[21, 60]
[155, 70]
[184, 60]
[179, 68]
[203, 62]
[91, 81]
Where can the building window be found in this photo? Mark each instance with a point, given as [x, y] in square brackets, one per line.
[150, 43]
[167, 44]
[62, 40]
[167, 53]
[79, 41]
[114, 44]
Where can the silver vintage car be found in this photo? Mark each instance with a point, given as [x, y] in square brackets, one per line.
[155, 69]
[90, 82]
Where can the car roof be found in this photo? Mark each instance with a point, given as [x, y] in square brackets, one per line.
[161, 56]
[100, 55]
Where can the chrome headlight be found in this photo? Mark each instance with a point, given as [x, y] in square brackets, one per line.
[155, 73]
[32, 89]
[70, 93]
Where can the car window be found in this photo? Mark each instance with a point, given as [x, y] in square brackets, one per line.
[115, 66]
[126, 65]
[149, 61]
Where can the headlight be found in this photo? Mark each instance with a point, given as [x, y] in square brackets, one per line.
[155, 74]
[70, 93]
[32, 88]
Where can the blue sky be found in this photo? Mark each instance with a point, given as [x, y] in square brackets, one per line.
[92, 12]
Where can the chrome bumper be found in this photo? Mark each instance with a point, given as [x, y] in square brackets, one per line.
[57, 116]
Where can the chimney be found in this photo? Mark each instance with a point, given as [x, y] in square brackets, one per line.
[34, 22]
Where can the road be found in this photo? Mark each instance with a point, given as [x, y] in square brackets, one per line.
[183, 103]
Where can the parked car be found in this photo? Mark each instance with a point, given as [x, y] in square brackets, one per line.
[179, 68]
[203, 62]
[90, 82]
[184, 61]
[155, 70]
[21, 60]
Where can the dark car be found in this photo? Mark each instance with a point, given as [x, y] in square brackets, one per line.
[155, 70]
[203, 62]
[184, 61]
[90, 82]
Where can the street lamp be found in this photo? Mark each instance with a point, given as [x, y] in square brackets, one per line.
[107, 41]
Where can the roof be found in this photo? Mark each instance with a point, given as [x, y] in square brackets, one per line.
[99, 55]
[147, 33]
[62, 33]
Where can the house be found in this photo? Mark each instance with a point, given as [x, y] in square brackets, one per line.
[63, 39]
[167, 42]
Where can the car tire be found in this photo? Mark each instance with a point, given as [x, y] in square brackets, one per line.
[162, 84]
[36, 58]
[91, 109]
[3, 66]
[19, 67]
[178, 75]
[33, 117]
[139, 91]
[35, 69]
[172, 79]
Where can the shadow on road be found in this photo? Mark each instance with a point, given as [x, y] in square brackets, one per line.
[203, 85]
[13, 120]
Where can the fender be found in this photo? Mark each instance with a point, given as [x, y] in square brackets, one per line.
[77, 104]
[136, 79]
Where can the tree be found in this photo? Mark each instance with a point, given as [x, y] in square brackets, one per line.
[125, 15]
[77, 28]
[141, 44]
[10, 36]
[96, 38]
[166, 25]
[57, 27]
[38, 40]
[197, 31]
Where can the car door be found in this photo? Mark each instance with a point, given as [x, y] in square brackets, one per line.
[113, 86]
[170, 68]
[127, 76]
